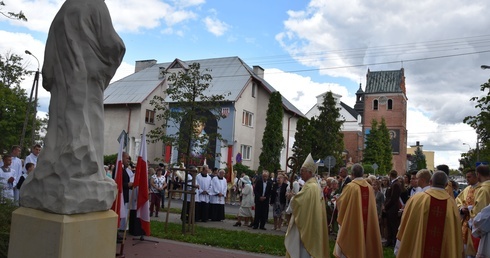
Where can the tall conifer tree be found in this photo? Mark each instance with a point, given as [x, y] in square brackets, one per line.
[328, 139]
[378, 147]
[420, 160]
[273, 140]
[303, 139]
[386, 150]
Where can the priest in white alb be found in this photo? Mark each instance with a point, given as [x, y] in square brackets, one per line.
[217, 196]
[203, 182]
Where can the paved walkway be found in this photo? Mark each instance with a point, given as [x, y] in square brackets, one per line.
[134, 247]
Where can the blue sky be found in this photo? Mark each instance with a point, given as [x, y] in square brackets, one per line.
[307, 48]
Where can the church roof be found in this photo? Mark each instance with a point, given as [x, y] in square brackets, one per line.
[351, 111]
[385, 81]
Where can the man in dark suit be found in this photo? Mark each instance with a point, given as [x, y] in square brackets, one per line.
[345, 178]
[392, 207]
[262, 192]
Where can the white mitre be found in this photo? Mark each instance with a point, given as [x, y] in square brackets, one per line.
[310, 164]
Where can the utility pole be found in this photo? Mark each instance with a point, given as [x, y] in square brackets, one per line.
[33, 103]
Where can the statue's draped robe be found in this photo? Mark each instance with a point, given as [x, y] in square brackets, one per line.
[82, 54]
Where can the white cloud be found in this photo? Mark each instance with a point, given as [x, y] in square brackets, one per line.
[188, 3]
[415, 35]
[215, 26]
[127, 15]
[18, 43]
[302, 91]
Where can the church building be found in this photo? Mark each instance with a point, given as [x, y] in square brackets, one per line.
[385, 97]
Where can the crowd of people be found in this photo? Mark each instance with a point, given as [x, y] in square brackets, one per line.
[14, 171]
[419, 214]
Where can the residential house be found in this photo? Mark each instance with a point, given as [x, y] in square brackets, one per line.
[245, 107]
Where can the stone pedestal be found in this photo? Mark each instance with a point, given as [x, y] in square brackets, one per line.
[40, 234]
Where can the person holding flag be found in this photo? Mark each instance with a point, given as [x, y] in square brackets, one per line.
[121, 176]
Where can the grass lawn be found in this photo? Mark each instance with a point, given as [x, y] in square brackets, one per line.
[230, 239]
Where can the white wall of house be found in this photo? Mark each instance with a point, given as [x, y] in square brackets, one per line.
[116, 119]
[262, 105]
[287, 151]
[246, 135]
[130, 118]
[350, 123]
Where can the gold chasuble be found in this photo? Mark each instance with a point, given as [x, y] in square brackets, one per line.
[482, 198]
[467, 198]
[359, 235]
[308, 226]
[450, 190]
[430, 227]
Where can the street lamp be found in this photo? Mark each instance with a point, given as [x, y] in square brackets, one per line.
[485, 67]
[469, 147]
[34, 91]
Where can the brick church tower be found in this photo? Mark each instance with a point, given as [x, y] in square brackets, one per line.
[385, 96]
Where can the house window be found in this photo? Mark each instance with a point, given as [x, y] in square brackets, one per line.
[150, 117]
[254, 87]
[246, 151]
[390, 104]
[375, 104]
[247, 118]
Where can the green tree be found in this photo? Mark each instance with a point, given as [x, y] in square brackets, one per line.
[273, 139]
[328, 139]
[110, 159]
[303, 139]
[371, 152]
[420, 160]
[378, 147]
[239, 168]
[481, 123]
[190, 107]
[13, 102]
[11, 15]
[386, 151]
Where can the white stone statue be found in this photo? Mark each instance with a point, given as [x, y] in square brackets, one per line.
[82, 54]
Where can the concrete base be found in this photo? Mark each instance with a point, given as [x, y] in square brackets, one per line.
[40, 234]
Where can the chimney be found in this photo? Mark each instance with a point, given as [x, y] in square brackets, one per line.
[161, 72]
[259, 71]
[143, 64]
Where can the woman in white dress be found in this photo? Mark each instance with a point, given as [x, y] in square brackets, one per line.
[245, 211]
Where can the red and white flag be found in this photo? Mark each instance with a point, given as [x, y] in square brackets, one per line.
[141, 181]
[118, 205]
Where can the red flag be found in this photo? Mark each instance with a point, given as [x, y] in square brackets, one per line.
[118, 205]
[141, 181]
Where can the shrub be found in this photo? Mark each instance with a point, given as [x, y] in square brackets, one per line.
[6, 209]
[110, 159]
[240, 168]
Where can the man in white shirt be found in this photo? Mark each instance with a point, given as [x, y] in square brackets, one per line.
[16, 168]
[32, 158]
[6, 179]
[414, 187]
[423, 179]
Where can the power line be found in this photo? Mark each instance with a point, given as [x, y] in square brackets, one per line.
[354, 65]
